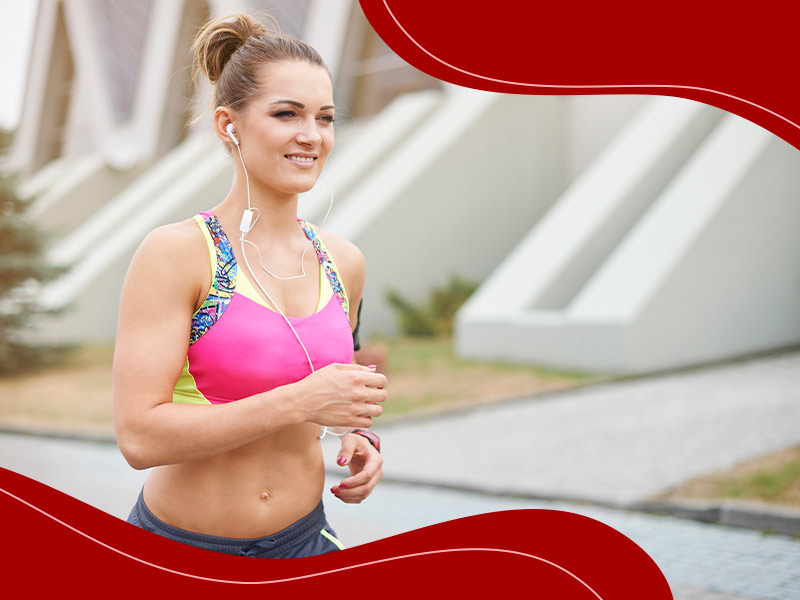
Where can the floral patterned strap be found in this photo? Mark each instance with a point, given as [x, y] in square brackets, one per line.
[328, 265]
[224, 283]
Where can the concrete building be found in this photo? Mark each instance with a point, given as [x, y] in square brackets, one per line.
[612, 233]
[678, 245]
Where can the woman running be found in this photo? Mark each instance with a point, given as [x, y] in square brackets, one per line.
[234, 350]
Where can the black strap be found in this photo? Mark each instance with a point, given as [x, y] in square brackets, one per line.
[356, 341]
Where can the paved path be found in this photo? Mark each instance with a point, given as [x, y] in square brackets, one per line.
[613, 444]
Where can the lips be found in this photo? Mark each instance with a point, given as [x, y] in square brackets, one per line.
[304, 159]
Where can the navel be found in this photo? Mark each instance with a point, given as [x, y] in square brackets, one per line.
[265, 495]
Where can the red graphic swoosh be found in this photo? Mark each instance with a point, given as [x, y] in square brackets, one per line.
[58, 541]
[741, 61]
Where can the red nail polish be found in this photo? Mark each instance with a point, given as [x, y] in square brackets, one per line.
[341, 460]
[342, 485]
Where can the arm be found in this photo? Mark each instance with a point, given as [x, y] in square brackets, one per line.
[166, 280]
[364, 461]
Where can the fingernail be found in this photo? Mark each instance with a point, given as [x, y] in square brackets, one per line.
[341, 460]
[372, 366]
[342, 485]
[334, 491]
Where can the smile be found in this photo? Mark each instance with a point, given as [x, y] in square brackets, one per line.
[301, 159]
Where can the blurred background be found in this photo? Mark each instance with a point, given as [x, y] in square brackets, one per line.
[547, 249]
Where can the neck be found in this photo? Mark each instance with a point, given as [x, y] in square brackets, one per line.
[277, 212]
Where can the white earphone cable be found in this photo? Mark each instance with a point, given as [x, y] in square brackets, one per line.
[245, 228]
[252, 224]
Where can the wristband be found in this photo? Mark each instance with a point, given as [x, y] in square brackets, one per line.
[371, 437]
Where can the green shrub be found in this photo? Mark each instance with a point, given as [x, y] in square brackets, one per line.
[434, 316]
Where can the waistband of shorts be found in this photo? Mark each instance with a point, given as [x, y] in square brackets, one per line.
[312, 523]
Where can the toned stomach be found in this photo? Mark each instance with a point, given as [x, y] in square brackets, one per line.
[253, 491]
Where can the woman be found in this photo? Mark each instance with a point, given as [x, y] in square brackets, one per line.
[226, 376]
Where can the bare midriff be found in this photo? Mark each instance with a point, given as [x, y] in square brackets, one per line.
[253, 491]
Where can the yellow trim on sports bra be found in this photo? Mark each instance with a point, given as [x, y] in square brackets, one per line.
[186, 391]
[246, 289]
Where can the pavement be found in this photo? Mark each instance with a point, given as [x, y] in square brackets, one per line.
[602, 451]
[615, 444]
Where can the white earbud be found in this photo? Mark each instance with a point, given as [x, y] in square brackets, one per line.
[229, 129]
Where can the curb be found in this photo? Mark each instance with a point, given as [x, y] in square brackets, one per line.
[768, 518]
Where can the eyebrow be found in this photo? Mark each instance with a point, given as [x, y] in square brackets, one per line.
[300, 104]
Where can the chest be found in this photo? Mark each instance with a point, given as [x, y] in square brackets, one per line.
[251, 349]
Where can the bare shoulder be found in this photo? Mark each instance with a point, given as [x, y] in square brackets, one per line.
[346, 254]
[174, 240]
[174, 258]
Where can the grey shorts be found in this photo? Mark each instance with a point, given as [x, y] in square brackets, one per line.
[309, 536]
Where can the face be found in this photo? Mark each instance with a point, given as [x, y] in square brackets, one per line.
[286, 133]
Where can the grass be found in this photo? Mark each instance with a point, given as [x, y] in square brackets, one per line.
[74, 395]
[425, 375]
[774, 478]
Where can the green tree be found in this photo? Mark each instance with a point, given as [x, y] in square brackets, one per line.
[23, 271]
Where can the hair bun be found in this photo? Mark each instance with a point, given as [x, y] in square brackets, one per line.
[219, 39]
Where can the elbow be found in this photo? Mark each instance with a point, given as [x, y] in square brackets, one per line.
[134, 450]
[137, 462]
[134, 455]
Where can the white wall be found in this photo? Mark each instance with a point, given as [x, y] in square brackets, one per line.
[709, 270]
[593, 122]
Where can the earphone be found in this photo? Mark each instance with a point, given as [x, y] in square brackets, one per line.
[229, 129]
[245, 226]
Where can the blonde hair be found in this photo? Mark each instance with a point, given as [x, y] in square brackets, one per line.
[230, 52]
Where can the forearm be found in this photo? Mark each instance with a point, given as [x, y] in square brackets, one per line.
[171, 433]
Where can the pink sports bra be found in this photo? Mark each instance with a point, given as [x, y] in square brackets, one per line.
[239, 346]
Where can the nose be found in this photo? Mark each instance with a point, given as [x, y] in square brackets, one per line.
[308, 132]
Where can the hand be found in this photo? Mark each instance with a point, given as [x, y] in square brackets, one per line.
[366, 468]
[342, 395]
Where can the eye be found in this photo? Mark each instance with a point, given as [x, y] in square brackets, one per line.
[327, 119]
[285, 114]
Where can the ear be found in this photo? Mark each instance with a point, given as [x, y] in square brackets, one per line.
[222, 117]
